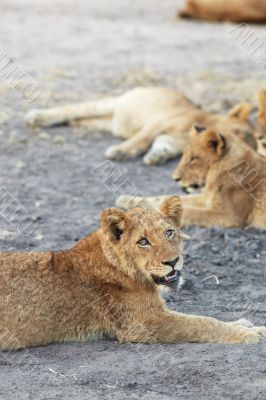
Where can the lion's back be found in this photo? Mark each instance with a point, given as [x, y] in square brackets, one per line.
[17, 264]
[145, 106]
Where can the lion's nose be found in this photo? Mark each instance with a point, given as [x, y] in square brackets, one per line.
[176, 177]
[195, 186]
[171, 263]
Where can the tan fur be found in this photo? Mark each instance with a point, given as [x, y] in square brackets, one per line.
[104, 287]
[225, 10]
[260, 132]
[155, 120]
[233, 177]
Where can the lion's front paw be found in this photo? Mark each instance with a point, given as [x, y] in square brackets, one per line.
[152, 158]
[35, 118]
[242, 322]
[250, 335]
[117, 153]
[162, 150]
[157, 156]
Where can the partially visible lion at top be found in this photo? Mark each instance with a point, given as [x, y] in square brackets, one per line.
[232, 177]
[154, 121]
[225, 10]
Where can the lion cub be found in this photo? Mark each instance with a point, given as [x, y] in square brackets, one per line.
[152, 120]
[233, 177]
[107, 286]
[260, 131]
[221, 10]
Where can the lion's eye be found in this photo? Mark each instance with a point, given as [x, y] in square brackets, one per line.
[170, 233]
[193, 159]
[143, 242]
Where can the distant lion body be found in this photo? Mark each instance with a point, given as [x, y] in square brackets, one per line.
[152, 120]
[105, 286]
[224, 10]
[233, 181]
[260, 132]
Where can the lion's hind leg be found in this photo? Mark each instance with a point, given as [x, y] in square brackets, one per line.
[68, 113]
[100, 124]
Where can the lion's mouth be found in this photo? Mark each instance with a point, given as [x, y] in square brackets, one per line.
[191, 188]
[172, 277]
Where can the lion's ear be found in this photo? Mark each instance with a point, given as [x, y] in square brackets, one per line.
[172, 208]
[261, 100]
[216, 142]
[241, 111]
[196, 129]
[113, 221]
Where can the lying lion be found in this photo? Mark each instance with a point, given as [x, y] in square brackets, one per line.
[154, 120]
[221, 10]
[107, 286]
[260, 132]
[233, 177]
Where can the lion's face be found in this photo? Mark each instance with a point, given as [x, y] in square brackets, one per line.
[201, 153]
[144, 241]
[260, 135]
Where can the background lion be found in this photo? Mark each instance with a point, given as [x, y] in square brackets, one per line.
[233, 177]
[260, 132]
[155, 120]
[221, 10]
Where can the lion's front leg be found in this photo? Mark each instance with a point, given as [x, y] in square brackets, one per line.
[127, 202]
[171, 327]
[194, 200]
[206, 217]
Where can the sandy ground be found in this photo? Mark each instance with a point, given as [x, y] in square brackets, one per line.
[76, 50]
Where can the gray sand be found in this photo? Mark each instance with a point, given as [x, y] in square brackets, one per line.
[76, 50]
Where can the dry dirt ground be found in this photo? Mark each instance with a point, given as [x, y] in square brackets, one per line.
[76, 50]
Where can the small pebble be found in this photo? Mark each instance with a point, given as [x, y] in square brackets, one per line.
[58, 139]
[44, 135]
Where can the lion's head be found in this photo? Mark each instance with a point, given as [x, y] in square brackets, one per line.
[235, 121]
[145, 242]
[260, 132]
[198, 157]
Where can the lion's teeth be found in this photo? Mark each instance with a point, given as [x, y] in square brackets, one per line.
[168, 277]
